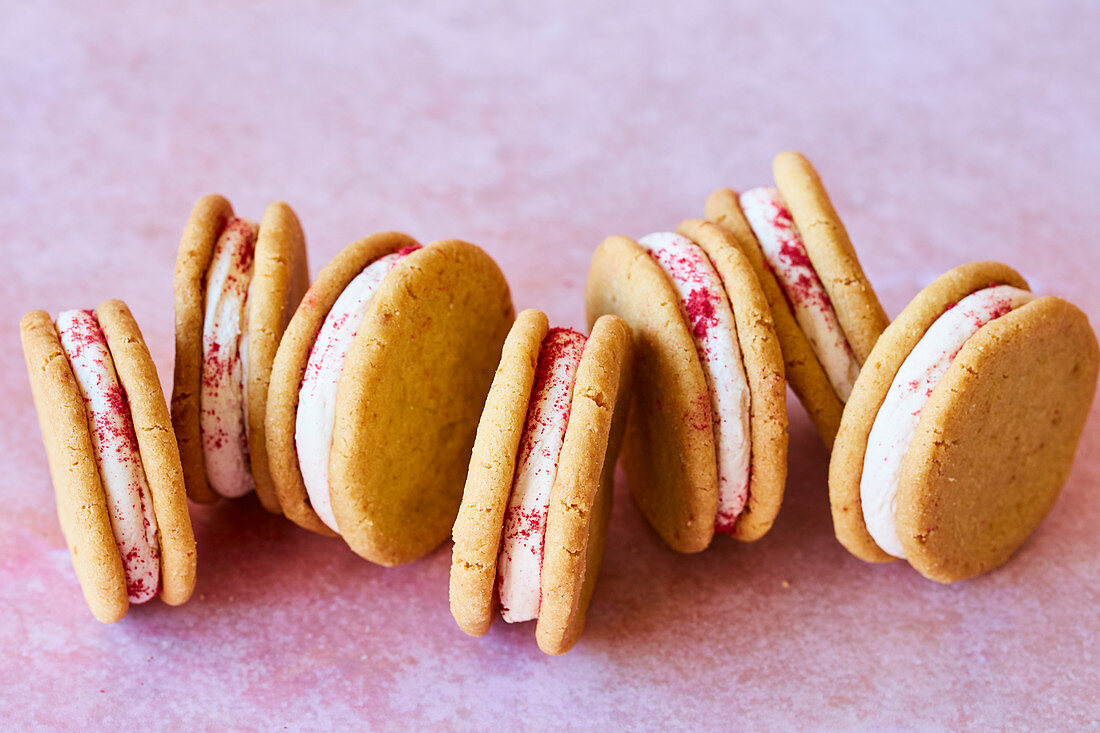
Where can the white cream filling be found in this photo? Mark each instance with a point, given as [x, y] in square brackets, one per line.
[316, 418]
[786, 256]
[519, 569]
[711, 320]
[223, 421]
[895, 424]
[129, 503]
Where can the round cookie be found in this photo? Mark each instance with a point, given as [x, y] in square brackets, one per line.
[995, 440]
[159, 456]
[407, 404]
[580, 501]
[830, 251]
[800, 365]
[668, 450]
[763, 360]
[290, 365]
[580, 498]
[477, 529]
[81, 500]
[280, 276]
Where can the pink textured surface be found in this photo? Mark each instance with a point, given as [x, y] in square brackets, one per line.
[946, 132]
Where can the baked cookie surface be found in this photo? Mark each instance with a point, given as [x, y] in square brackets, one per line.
[995, 439]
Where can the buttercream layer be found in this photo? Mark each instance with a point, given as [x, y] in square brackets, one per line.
[129, 504]
[714, 331]
[786, 256]
[316, 416]
[519, 567]
[222, 415]
[896, 422]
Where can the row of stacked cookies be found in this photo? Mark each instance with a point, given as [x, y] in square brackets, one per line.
[365, 404]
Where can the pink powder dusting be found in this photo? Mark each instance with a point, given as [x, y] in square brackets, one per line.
[114, 430]
[545, 425]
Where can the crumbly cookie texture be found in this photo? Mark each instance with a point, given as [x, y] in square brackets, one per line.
[995, 440]
[763, 358]
[478, 528]
[668, 449]
[280, 276]
[289, 367]
[81, 501]
[414, 385]
[800, 366]
[580, 501]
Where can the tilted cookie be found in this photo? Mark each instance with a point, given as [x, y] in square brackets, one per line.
[376, 390]
[962, 426]
[826, 313]
[236, 286]
[530, 533]
[706, 442]
[112, 456]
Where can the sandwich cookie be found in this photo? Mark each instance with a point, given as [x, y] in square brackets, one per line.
[112, 456]
[530, 533]
[825, 311]
[962, 426]
[236, 285]
[376, 390]
[706, 442]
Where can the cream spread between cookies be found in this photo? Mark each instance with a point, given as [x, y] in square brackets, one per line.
[223, 420]
[786, 256]
[519, 569]
[895, 424]
[714, 331]
[129, 502]
[316, 417]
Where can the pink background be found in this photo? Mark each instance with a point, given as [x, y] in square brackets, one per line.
[955, 132]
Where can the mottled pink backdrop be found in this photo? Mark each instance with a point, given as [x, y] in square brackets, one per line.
[946, 132]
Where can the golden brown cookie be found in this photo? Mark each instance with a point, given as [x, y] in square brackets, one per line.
[580, 499]
[422, 363]
[669, 448]
[480, 521]
[159, 456]
[763, 360]
[412, 387]
[81, 500]
[290, 364]
[280, 276]
[995, 440]
[802, 369]
[830, 251]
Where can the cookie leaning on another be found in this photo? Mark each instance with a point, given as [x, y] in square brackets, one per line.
[236, 285]
[535, 510]
[112, 456]
[706, 441]
[376, 390]
[961, 429]
[825, 310]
